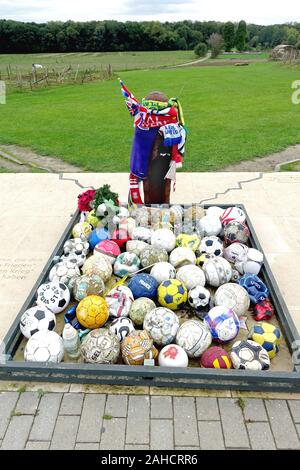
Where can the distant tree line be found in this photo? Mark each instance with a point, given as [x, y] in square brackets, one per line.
[70, 36]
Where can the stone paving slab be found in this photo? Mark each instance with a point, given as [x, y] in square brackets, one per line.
[232, 428]
[272, 198]
[282, 425]
[28, 403]
[65, 432]
[138, 420]
[185, 422]
[162, 434]
[211, 435]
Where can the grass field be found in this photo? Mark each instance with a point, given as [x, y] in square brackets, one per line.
[232, 113]
[118, 60]
[262, 55]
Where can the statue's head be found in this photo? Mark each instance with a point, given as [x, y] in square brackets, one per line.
[157, 96]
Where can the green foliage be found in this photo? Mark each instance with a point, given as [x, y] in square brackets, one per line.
[232, 114]
[114, 36]
[216, 44]
[107, 417]
[228, 35]
[105, 193]
[241, 403]
[201, 49]
[241, 36]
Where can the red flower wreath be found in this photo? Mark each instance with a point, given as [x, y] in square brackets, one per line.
[85, 199]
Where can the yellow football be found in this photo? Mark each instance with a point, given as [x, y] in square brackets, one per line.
[92, 312]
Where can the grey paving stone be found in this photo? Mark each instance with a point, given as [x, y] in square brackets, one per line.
[116, 406]
[137, 431]
[113, 434]
[255, 410]
[161, 434]
[186, 448]
[234, 429]
[261, 437]
[185, 422]
[65, 432]
[87, 446]
[28, 403]
[91, 418]
[298, 429]
[71, 404]
[210, 435]
[136, 447]
[161, 407]
[207, 409]
[37, 445]
[8, 402]
[294, 406]
[283, 428]
[17, 432]
[44, 421]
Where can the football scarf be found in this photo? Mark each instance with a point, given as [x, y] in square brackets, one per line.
[151, 117]
[147, 118]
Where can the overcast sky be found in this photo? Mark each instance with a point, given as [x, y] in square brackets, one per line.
[254, 11]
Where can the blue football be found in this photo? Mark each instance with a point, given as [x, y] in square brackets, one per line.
[143, 285]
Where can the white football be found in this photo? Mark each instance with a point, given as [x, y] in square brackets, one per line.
[74, 258]
[248, 354]
[64, 272]
[217, 271]
[36, 319]
[233, 296]
[182, 256]
[44, 346]
[215, 211]
[194, 337]
[191, 276]
[162, 325]
[76, 245]
[163, 271]
[121, 327]
[142, 233]
[210, 225]
[119, 301]
[53, 295]
[199, 298]
[211, 245]
[233, 213]
[173, 355]
[163, 238]
[236, 252]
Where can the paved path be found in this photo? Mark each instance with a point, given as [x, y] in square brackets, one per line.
[91, 421]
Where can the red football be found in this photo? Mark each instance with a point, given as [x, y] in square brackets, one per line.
[263, 311]
[215, 358]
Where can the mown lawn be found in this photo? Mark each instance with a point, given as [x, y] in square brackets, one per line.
[118, 60]
[232, 113]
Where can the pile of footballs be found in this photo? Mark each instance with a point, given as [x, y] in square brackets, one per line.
[125, 277]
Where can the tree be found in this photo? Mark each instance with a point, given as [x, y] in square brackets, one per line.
[241, 36]
[228, 35]
[201, 49]
[216, 44]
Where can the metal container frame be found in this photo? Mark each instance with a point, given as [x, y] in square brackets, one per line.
[155, 376]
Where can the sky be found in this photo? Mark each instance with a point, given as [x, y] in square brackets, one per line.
[254, 11]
